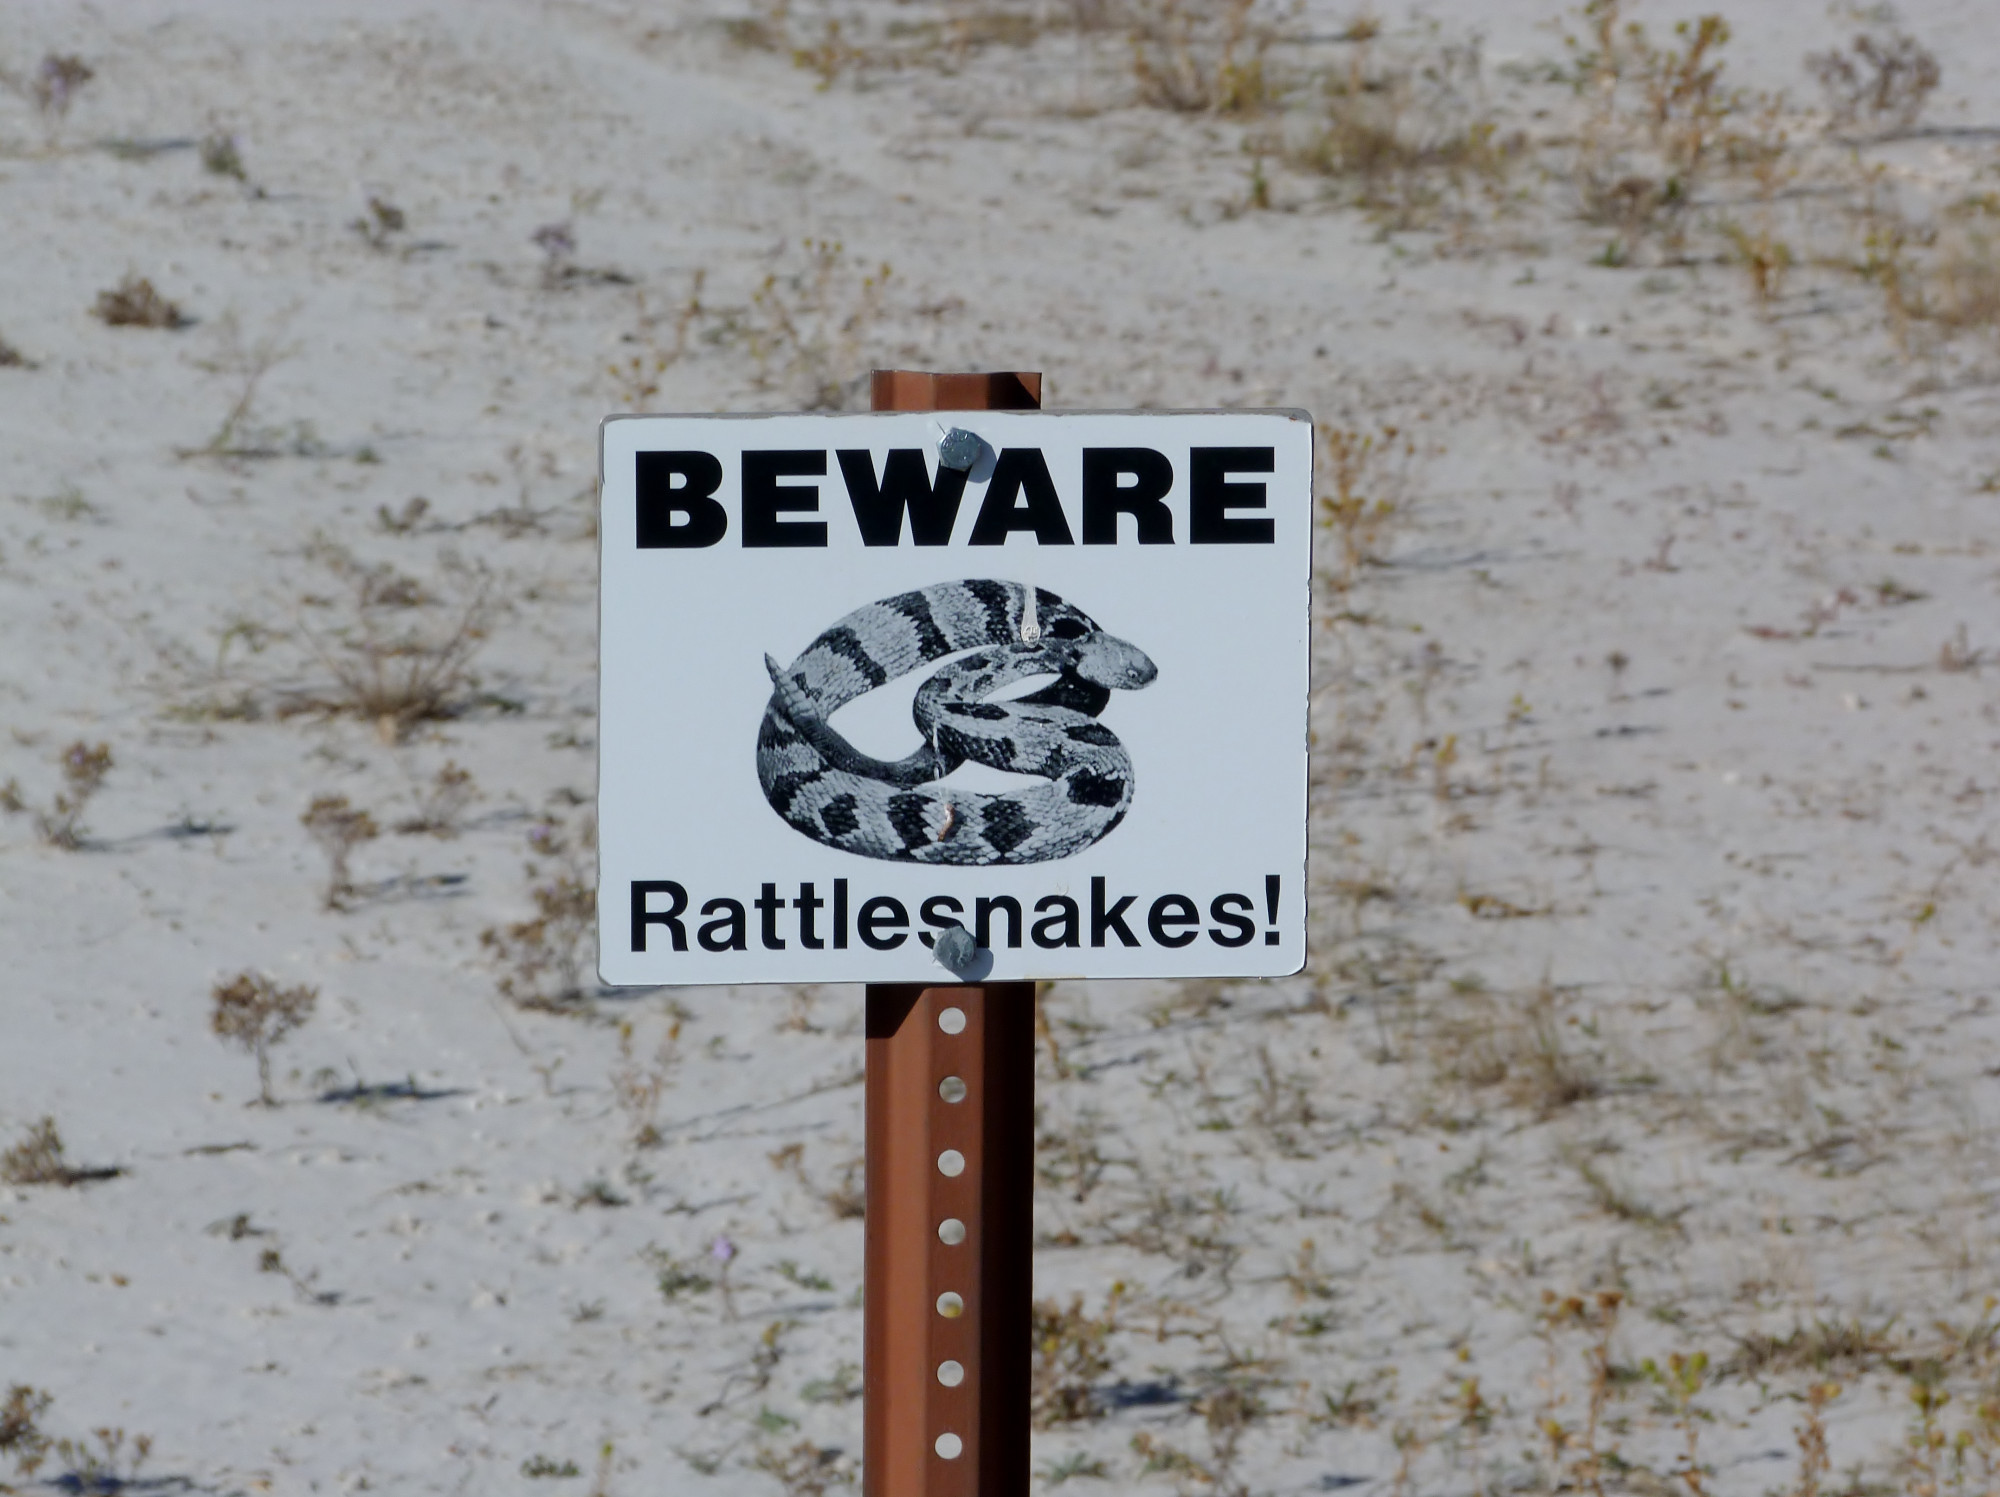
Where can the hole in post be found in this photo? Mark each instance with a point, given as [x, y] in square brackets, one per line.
[952, 1089]
[952, 1020]
[951, 1374]
[949, 1446]
[951, 1163]
[951, 1231]
[950, 1306]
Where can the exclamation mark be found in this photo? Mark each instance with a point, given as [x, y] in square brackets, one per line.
[1271, 908]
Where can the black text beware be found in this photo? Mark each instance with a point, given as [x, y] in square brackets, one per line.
[778, 493]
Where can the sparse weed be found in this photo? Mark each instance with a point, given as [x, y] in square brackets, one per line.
[51, 88]
[398, 653]
[103, 1462]
[809, 322]
[1681, 1382]
[542, 958]
[248, 364]
[846, 1198]
[1072, 1354]
[39, 1159]
[1814, 1466]
[221, 156]
[637, 379]
[84, 767]
[1364, 493]
[134, 303]
[1516, 1043]
[1195, 57]
[1883, 81]
[1402, 129]
[804, 1469]
[255, 1012]
[674, 1277]
[380, 224]
[338, 827]
[21, 1437]
[637, 1088]
[557, 242]
[442, 804]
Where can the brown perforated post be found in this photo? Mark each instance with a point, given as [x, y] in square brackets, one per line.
[951, 1071]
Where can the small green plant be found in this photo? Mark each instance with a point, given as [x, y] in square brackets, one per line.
[221, 157]
[674, 1277]
[1681, 1382]
[537, 1466]
[134, 302]
[338, 827]
[255, 1013]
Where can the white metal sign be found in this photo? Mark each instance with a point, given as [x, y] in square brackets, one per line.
[1047, 685]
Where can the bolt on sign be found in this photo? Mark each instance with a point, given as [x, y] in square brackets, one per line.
[908, 697]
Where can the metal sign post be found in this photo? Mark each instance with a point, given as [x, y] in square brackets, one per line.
[950, 1225]
[1098, 624]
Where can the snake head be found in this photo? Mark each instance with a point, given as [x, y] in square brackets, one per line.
[1106, 660]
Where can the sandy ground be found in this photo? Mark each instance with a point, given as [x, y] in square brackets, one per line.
[1650, 1010]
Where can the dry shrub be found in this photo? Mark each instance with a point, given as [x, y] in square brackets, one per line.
[805, 1469]
[21, 1437]
[637, 1088]
[51, 88]
[1364, 487]
[1405, 126]
[542, 959]
[84, 767]
[442, 804]
[254, 1012]
[37, 1159]
[1515, 1043]
[1882, 80]
[1071, 1356]
[1194, 56]
[338, 828]
[846, 1198]
[1942, 276]
[134, 303]
[396, 653]
[1821, 1347]
[637, 379]
[12, 357]
[1655, 119]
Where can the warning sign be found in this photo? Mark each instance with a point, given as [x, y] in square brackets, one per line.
[926, 696]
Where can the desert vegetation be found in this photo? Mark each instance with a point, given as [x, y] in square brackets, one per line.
[1631, 1128]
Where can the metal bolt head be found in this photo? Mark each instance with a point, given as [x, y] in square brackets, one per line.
[956, 950]
[959, 449]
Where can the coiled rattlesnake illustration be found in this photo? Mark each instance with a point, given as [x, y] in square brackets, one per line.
[828, 789]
